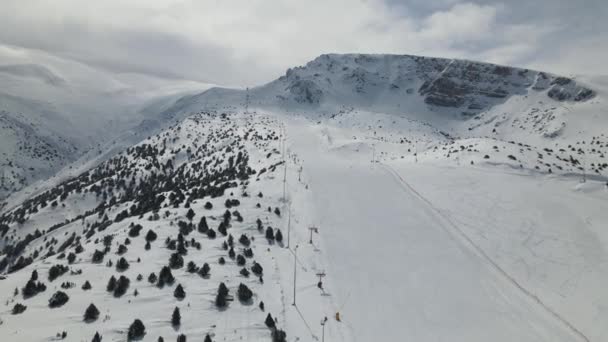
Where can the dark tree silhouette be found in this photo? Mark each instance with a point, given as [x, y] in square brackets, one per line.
[190, 214]
[58, 299]
[202, 225]
[176, 318]
[244, 293]
[18, 309]
[278, 236]
[204, 271]
[257, 269]
[111, 284]
[176, 261]
[269, 234]
[165, 277]
[151, 236]
[122, 264]
[179, 292]
[91, 313]
[96, 338]
[137, 330]
[269, 321]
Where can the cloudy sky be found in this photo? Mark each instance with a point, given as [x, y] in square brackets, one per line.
[248, 42]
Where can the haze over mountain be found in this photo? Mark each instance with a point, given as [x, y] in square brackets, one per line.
[51, 117]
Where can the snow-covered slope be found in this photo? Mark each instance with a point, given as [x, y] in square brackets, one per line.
[224, 172]
[442, 200]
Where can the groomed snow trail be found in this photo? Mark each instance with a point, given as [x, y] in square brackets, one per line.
[467, 241]
[400, 276]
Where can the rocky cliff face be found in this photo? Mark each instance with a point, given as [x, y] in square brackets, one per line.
[469, 86]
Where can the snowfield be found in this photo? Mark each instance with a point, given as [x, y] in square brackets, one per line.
[376, 226]
[436, 200]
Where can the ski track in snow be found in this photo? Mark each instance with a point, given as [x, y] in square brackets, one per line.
[469, 242]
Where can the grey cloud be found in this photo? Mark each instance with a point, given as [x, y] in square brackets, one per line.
[254, 41]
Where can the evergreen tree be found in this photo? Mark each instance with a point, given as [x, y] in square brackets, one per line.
[98, 256]
[176, 318]
[71, 258]
[122, 249]
[257, 269]
[244, 293]
[278, 236]
[86, 286]
[269, 234]
[269, 321]
[204, 271]
[91, 313]
[96, 338]
[137, 330]
[248, 252]
[165, 277]
[32, 288]
[190, 214]
[191, 267]
[122, 264]
[121, 286]
[134, 231]
[279, 335]
[181, 338]
[151, 236]
[58, 299]
[208, 338]
[57, 271]
[222, 228]
[152, 278]
[244, 240]
[111, 284]
[179, 292]
[176, 261]
[202, 225]
[18, 309]
[222, 294]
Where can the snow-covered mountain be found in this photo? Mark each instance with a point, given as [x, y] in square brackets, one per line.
[435, 199]
[398, 83]
[479, 109]
[50, 120]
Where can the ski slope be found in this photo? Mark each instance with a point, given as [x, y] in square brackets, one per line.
[402, 274]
